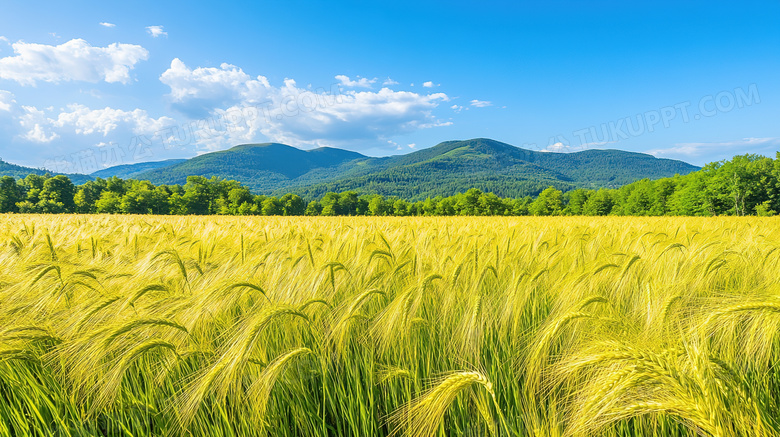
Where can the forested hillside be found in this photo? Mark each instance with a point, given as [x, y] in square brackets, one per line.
[441, 170]
[744, 185]
[17, 171]
[127, 171]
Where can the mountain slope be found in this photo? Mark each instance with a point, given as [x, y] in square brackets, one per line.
[447, 168]
[129, 171]
[17, 171]
[262, 167]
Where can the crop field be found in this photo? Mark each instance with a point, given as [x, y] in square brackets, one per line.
[292, 326]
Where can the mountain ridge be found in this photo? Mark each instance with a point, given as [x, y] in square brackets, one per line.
[20, 172]
[444, 169]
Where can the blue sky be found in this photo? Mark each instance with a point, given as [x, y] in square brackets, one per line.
[85, 85]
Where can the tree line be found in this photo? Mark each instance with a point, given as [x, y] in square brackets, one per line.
[744, 185]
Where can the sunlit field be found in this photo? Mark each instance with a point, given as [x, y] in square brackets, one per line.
[227, 326]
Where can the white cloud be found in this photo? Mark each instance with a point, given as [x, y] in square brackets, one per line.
[361, 82]
[458, 108]
[106, 24]
[198, 92]
[78, 119]
[389, 82]
[354, 119]
[295, 115]
[6, 101]
[85, 121]
[429, 84]
[481, 103]
[718, 150]
[79, 139]
[557, 148]
[4, 39]
[156, 31]
[75, 60]
[34, 123]
[37, 135]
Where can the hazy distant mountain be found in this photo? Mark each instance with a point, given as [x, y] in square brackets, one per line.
[129, 171]
[17, 171]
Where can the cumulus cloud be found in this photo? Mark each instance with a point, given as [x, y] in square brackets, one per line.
[361, 82]
[6, 101]
[354, 119]
[389, 82]
[36, 126]
[481, 103]
[700, 152]
[107, 24]
[156, 31]
[44, 126]
[75, 60]
[429, 84]
[197, 92]
[557, 148]
[4, 39]
[295, 115]
[86, 121]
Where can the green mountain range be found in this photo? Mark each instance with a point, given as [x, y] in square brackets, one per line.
[445, 169]
[19, 172]
[130, 171]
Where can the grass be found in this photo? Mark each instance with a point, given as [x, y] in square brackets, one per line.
[227, 326]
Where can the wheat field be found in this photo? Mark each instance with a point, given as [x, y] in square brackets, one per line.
[227, 326]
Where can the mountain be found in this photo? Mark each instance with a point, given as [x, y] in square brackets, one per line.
[129, 171]
[261, 167]
[17, 171]
[447, 168]
[455, 166]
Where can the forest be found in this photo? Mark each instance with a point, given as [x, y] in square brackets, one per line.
[744, 185]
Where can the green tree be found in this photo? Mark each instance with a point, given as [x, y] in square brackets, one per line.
[110, 202]
[445, 206]
[32, 185]
[348, 203]
[198, 195]
[547, 203]
[87, 194]
[10, 194]
[236, 199]
[143, 198]
[640, 198]
[57, 195]
[313, 209]
[330, 204]
[378, 206]
[468, 202]
[490, 204]
[272, 206]
[292, 204]
[576, 201]
[400, 207]
[521, 206]
[599, 203]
